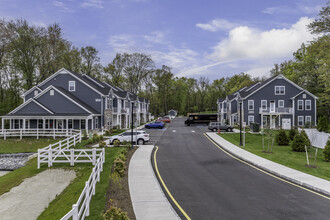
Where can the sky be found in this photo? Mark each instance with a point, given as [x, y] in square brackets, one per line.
[211, 38]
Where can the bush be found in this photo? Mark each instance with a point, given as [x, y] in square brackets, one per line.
[107, 133]
[326, 152]
[298, 143]
[322, 124]
[85, 137]
[116, 143]
[122, 156]
[102, 144]
[282, 138]
[119, 167]
[115, 213]
[101, 137]
[90, 141]
[293, 131]
[303, 133]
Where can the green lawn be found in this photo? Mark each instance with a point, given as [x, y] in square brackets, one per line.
[12, 145]
[283, 154]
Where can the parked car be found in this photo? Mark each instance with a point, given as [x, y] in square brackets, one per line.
[140, 137]
[165, 120]
[215, 126]
[156, 124]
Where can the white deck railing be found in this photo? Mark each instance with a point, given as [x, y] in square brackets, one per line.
[81, 209]
[37, 133]
[278, 110]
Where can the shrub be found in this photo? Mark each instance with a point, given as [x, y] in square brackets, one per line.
[293, 131]
[116, 143]
[322, 124]
[90, 141]
[115, 213]
[282, 138]
[85, 137]
[326, 152]
[102, 144]
[119, 167]
[298, 143]
[303, 133]
[101, 137]
[107, 133]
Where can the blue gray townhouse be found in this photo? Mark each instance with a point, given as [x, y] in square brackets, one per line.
[275, 103]
[69, 100]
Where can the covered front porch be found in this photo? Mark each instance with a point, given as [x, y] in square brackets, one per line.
[59, 123]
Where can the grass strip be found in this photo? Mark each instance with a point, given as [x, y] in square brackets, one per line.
[26, 144]
[283, 154]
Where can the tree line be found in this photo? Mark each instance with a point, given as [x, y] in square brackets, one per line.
[29, 54]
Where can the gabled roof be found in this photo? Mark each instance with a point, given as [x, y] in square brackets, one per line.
[304, 91]
[28, 102]
[70, 97]
[30, 90]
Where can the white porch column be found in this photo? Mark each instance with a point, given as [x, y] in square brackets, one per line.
[86, 125]
[44, 123]
[24, 122]
[2, 124]
[119, 122]
[67, 126]
[92, 123]
[262, 121]
[11, 124]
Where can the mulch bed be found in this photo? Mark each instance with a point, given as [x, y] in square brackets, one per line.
[118, 193]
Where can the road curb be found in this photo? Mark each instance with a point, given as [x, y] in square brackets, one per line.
[230, 148]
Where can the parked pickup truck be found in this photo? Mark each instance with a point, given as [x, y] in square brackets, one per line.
[215, 126]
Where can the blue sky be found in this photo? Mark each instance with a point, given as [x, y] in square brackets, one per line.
[196, 38]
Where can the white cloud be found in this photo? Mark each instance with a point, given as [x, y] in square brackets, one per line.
[216, 25]
[157, 37]
[248, 43]
[122, 43]
[289, 10]
[92, 4]
[260, 71]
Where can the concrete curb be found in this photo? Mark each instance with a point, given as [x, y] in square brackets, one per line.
[147, 196]
[315, 183]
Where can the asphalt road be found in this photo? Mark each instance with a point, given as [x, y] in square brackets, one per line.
[209, 184]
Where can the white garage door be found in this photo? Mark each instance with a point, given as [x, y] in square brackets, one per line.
[286, 123]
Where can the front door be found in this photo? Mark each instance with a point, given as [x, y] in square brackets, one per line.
[59, 124]
[286, 123]
[272, 106]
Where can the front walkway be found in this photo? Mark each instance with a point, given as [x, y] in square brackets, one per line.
[295, 176]
[148, 199]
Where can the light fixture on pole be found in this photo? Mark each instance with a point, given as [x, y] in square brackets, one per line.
[132, 124]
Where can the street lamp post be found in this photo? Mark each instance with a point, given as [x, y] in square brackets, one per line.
[132, 125]
[240, 123]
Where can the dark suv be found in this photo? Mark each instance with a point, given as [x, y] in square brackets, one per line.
[214, 126]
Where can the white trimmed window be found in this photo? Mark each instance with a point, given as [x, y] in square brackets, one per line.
[281, 103]
[82, 124]
[51, 92]
[250, 119]
[250, 104]
[264, 104]
[96, 122]
[279, 90]
[36, 92]
[308, 104]
[300, 120]
[72, 86]
[300, 104]
[47, 124]
[308, 120]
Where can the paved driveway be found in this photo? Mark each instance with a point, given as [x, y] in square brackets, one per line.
[209, 184]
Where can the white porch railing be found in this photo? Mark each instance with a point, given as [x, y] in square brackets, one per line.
[287, 110]
[37, 133]
[81, 209]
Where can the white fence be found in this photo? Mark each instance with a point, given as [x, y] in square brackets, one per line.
[37, 133]
[81, 209]
[317, 139]
[61, 152]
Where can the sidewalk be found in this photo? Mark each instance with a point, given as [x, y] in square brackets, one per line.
[148, 199]
[300, 178]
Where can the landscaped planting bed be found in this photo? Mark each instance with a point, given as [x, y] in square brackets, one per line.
[283, 154]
